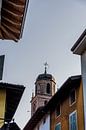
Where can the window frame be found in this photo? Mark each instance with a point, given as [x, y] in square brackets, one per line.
[70, 98]
[57, 125]
[76, 119]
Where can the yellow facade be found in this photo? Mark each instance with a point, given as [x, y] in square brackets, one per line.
[66, 110]
[2, 106]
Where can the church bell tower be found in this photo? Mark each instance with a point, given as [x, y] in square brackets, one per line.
[44, 90]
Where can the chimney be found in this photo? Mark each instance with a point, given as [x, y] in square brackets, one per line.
[79, 48]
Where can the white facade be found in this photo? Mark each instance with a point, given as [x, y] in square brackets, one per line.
[83, 70]
[80, 49]
[44, 124]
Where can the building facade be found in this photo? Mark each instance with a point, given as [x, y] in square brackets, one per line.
[79, 48]
[68, 113]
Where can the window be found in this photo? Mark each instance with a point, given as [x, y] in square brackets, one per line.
[58, 110]
[73, 121]
[38, 89]
[58, 126]
[48, 88]
[72, 97]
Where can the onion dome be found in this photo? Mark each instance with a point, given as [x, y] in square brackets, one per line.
[45, 75]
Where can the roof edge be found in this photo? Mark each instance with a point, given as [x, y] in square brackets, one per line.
[79, 46]
[24, 17]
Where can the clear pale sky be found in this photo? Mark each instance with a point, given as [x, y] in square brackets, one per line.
[51, 29]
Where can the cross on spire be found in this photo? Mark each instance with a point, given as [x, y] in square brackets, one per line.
[46, 66]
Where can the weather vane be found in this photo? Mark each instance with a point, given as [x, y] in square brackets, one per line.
[46, 66]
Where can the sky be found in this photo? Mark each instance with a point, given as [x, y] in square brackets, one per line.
[51, 29]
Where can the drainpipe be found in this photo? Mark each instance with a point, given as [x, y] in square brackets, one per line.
[79, 48]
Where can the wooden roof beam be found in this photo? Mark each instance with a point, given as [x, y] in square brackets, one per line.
[0, 9]
[14, 7]
[14, 18]
[13, 14]
[18, 1]
[7, 34]
[1, 36]
[14, 30]
[17, 25]
[14, 3]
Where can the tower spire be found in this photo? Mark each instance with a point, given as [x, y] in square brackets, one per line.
[46, 66]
